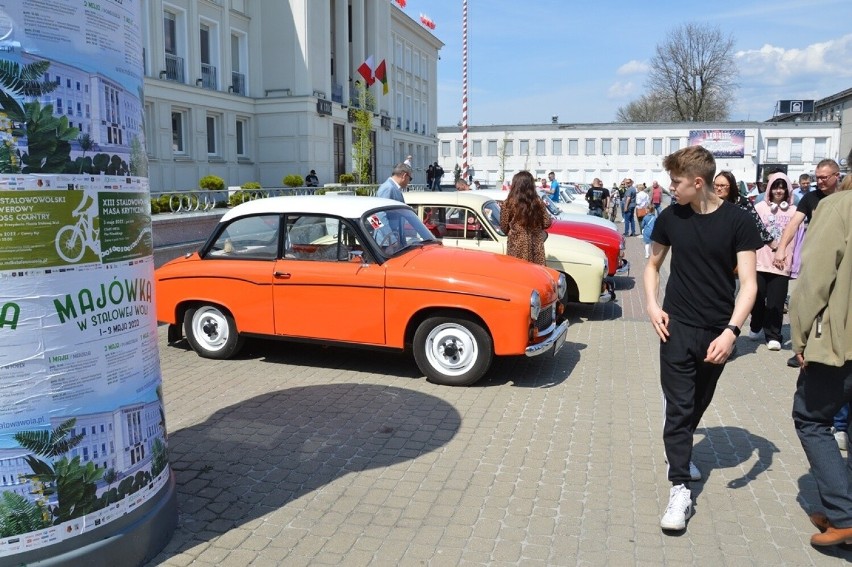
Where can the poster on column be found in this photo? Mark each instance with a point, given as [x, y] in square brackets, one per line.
[82, 428]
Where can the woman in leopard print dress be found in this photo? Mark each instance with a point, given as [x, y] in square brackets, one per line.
[523, 218]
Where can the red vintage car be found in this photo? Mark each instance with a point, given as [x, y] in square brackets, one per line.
[608, 240]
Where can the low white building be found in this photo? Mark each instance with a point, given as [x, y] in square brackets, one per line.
[578, 153]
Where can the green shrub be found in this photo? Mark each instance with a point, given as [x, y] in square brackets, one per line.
[211, 183]
[346, 178]
[243, 196]
[294, 181]
[366, 190]
[160, 204]
[251, 185]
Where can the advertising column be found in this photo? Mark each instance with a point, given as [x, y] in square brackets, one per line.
[84, 469]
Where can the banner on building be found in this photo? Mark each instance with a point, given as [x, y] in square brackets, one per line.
[721, 143]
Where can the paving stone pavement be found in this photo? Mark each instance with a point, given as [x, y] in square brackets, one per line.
[305, 455]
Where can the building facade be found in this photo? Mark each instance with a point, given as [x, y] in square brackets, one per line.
[578, 153]
[835, 108]
[254, 90]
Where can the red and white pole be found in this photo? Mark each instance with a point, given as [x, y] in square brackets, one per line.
[464, 87]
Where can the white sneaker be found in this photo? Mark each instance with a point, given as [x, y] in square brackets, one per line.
[694, 473]
[842, 440]
[773, 345]
[679, 509]
[754, 335]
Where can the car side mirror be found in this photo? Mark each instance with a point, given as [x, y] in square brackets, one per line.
[357, 256]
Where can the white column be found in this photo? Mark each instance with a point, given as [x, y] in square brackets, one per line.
[358, 29]
[342, 69]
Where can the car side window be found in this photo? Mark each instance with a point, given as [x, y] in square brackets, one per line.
[248, 238]
[464, 224]
[435, 219]
[320, 238]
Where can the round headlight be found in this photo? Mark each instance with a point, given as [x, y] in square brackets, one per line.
[561, 286]
[535, 305]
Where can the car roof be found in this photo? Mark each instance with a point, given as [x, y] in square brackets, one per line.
[346, 206]
[468, 198]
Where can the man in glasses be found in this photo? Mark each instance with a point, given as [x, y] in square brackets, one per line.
[393, 186]
[827, 177]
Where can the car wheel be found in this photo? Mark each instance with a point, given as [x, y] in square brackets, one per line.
[452, 351]
[211, 332]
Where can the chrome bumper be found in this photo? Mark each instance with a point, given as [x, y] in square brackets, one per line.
[553, 343]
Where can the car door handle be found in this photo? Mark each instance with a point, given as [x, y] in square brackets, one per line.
[284, 275]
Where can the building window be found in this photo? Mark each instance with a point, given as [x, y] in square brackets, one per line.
[178, 134]
[459, 148]
[606, 146]
[796, 150]
[525, 148]
[556, 147]
[622, 146]
[590, 146]
[573, 147]
[820, 148]
[658, 146]
[477, 148]
[640, 146]
[239, 64]
[674, 145]
[242, 127]
[445, 148]
[212, 134]
[492, 147]
[539, 148]
[508, 147]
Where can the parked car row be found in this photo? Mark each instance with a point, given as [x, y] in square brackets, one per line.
[368, 272]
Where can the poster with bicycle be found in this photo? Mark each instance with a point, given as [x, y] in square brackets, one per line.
[82, 427]
[47, 229]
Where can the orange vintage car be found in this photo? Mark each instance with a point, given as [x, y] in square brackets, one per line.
[358, 271]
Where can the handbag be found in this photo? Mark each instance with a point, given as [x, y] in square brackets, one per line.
[640, 213]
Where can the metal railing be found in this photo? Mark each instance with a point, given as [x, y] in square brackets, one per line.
[238, 83]
[203, 200]
[209, 78]
[174, 68]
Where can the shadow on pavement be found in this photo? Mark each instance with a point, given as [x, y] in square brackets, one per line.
[518, 370]
[251, 459]
[726, 447]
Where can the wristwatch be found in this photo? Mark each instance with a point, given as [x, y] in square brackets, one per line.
[734, 329]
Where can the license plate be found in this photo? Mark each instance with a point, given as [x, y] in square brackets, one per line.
[560, 340]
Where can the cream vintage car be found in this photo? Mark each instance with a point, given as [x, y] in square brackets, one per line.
[467, 219]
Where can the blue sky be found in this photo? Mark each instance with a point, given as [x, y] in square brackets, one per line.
[580, 60]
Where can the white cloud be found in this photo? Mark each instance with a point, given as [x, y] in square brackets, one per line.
[633, 67]
[771, 65]
[621, 90]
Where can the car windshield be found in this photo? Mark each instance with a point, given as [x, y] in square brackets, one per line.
[491, 212]
[551, 207]
[395, 230]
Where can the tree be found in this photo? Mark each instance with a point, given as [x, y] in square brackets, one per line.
[21, 82]
[86, 143]
[692, 77]
[362, 145]
[650, 107]
[48, 140]
[502, 154]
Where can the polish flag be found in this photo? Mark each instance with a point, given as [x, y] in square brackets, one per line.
[366, 70]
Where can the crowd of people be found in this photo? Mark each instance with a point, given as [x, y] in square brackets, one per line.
[731, 263]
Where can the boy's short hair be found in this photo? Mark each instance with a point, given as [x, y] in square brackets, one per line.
[692, 160]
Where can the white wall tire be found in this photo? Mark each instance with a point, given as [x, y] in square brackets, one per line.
[452, 351]
[211, 332]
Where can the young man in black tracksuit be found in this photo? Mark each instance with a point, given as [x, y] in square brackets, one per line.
[701, 316]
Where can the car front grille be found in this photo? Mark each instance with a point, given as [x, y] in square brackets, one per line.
[546, 318]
